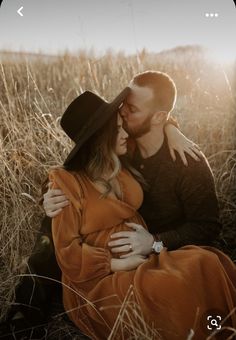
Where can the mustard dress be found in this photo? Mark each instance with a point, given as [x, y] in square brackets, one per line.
[177, 292]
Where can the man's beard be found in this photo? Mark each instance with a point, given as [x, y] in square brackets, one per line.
[138, 131]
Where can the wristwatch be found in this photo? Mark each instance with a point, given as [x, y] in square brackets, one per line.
[157, 247]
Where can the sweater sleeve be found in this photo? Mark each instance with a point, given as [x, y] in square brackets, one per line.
[78, 261]
[196, 192]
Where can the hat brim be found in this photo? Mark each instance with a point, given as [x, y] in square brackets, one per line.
[100, 118]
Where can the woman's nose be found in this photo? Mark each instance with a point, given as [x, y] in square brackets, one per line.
[123, 112]
[125, 134]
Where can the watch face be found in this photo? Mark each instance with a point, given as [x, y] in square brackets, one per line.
[157, 246]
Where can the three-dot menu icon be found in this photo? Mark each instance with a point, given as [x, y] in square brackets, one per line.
[211, 15]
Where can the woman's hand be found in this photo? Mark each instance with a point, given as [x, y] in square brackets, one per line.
[177, 141]
[130, 263]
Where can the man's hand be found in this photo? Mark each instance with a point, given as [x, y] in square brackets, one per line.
[53, 201]
[139, 241]
[178, 142]
[130, 263]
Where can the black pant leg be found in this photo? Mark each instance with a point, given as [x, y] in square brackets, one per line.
[35, 293]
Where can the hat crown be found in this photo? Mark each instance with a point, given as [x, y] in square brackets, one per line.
[80, 112]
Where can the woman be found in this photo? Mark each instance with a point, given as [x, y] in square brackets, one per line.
[171, 288]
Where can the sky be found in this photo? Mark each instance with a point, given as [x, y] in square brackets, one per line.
[52, 26]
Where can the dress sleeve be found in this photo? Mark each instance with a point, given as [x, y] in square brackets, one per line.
[78, 261]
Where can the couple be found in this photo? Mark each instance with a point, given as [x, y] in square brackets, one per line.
[135, 217]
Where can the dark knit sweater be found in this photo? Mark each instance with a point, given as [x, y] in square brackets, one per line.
[180, 204]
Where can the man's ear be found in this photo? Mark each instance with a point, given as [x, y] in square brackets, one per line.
[159, 117]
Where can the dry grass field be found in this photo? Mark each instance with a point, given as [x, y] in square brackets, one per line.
[34, 92]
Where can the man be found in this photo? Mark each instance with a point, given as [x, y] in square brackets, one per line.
[180, 205]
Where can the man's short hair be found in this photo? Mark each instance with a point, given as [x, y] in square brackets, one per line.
[164, 89]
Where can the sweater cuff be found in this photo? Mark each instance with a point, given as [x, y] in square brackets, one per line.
[171, 239]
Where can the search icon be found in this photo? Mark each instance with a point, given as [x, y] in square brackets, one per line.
[214, 323]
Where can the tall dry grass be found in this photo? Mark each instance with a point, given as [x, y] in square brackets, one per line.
[34, 92]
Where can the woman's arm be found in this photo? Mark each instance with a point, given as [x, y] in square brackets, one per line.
[178, 142]
[79, 261]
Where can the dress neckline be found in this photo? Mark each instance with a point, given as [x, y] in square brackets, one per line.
[115, 198]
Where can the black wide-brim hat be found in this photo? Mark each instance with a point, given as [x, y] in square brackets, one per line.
[86, 115]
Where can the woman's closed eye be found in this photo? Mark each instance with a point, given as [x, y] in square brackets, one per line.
[132, 108]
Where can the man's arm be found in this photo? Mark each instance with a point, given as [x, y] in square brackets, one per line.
[196, 192]
[197, 198]
[54, 200]
[178, 142]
